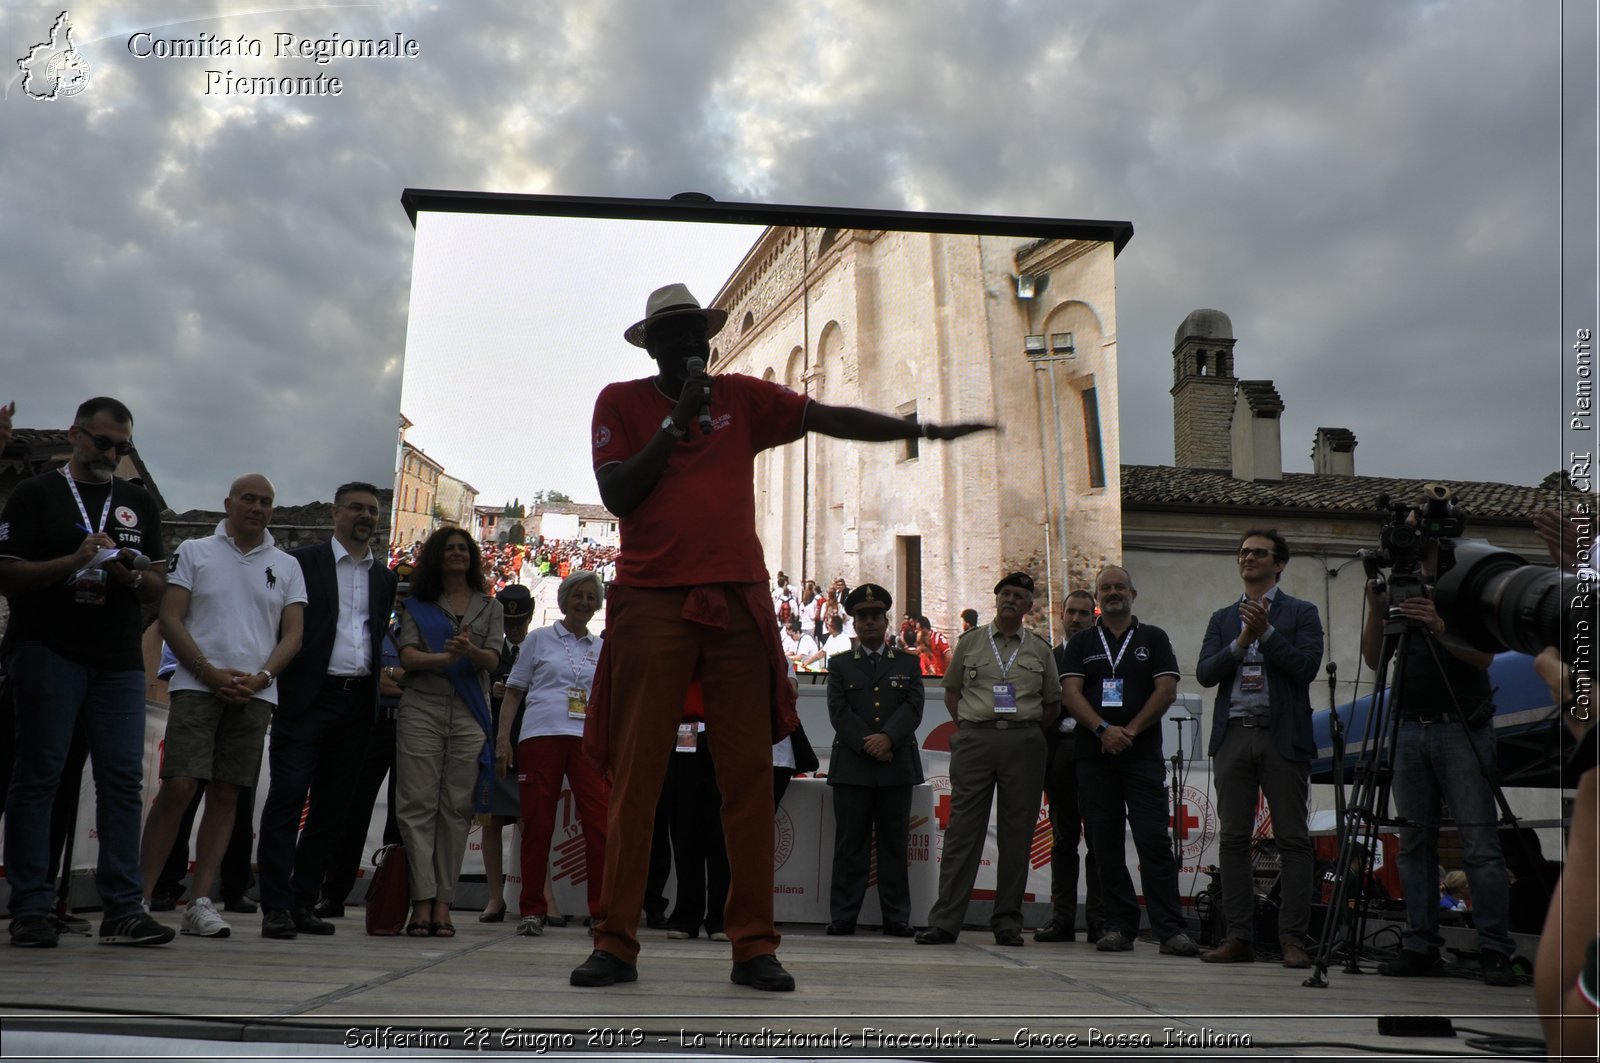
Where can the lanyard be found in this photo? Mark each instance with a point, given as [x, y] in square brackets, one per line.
[1005, 666]
[1126, 638]
[105, 513]
[567, 646]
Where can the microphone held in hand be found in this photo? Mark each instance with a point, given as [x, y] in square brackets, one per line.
[697, 367]
[133, 559]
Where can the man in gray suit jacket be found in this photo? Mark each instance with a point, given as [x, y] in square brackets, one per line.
[1261, 654]
[875, 704]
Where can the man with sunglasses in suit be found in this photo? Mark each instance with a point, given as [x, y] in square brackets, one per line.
[74, 657]
[1261, 654]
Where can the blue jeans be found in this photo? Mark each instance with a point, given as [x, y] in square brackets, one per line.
[1434, 761]
[52, 693]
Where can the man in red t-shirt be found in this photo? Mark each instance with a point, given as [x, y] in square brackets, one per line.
[674, 457]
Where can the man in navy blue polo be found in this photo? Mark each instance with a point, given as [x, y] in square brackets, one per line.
[1118, 679]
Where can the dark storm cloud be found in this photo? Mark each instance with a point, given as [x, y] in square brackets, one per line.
[1365, 187]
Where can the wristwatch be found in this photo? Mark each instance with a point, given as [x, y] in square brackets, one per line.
[1098, 731]
[669, 426]
[270, 677]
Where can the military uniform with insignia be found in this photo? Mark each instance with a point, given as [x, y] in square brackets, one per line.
[874, 693]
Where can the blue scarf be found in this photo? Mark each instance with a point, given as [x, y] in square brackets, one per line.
[437, 628]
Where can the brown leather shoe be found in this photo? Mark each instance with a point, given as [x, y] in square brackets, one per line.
[1294, 955]
[1232, 950]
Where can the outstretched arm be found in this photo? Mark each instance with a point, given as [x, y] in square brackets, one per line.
[852, 422]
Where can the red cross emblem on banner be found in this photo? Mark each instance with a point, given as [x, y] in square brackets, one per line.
[1184, 821]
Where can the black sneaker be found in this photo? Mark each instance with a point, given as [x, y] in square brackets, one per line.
[35, 931]
[763, 972]
[241, 904]
[601, 969]
[1496, 968]
[1410, 964]
[136, 928]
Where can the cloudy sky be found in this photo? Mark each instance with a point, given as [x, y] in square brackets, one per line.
[1378, 192]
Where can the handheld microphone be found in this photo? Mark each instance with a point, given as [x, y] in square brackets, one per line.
[696, 366]
[132, 558]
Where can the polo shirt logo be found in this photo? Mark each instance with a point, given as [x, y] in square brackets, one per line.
[127, 517]
[602, 436]
[1141, 654]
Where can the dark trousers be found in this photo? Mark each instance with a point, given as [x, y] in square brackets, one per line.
[859, 812]
[1066, 826]
[1118, 793]
[312, 752]
[1248, 763]
[350, 850]
[699, 851]
[233, 875]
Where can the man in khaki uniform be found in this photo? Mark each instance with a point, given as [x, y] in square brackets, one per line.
[1003, 691]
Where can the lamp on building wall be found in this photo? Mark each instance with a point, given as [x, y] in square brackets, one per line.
[1030, 285]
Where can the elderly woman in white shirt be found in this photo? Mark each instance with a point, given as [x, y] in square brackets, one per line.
[555, 671]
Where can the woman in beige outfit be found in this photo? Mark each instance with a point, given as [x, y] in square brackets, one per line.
[450, 635]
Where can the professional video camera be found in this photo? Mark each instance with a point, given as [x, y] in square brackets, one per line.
[1404, 539]
[1490, 599]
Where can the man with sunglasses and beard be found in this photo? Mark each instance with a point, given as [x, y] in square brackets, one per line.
[674, 457]
[75, 658]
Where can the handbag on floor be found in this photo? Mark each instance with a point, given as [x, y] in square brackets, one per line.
[389, 896]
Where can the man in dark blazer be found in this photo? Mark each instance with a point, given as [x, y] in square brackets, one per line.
[327, 702]
[875, 704]
[1261, 654]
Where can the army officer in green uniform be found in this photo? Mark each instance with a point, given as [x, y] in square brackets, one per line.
[875, 703]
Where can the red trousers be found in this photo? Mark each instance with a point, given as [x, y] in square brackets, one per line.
[542, 761]
[654, 654]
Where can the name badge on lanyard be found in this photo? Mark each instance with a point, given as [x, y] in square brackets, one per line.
[1111, 689]
[577, 703]
[1252, 679]
[89, 584]
[688, 738]
[1005, 693]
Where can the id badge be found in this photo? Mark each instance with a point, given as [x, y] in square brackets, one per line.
[1005, 697]
[89, 586]
[1111, 693]
[1252, 678]
[577, 703]
[688, 738]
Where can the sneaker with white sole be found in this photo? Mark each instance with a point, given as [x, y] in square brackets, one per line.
[200, 918]
[135, 928]
[532, 926]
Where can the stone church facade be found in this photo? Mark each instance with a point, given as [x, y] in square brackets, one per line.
[936, 327]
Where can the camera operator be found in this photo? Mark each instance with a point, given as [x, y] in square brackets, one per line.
[1441, 755]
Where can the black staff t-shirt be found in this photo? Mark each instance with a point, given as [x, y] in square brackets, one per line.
[42, 522]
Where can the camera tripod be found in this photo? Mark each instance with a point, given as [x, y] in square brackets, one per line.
[1368, 804]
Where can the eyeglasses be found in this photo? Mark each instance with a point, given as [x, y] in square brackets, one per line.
[121, 446]
[360, 507]
[1253, 551]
